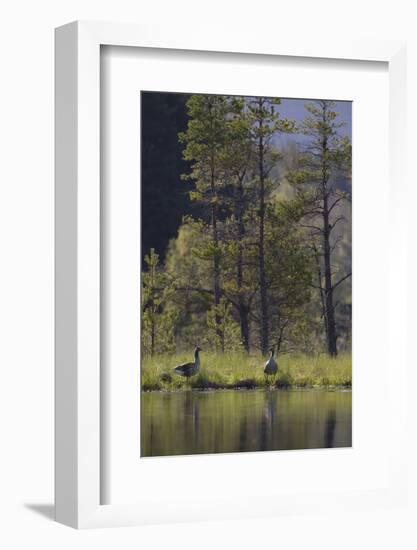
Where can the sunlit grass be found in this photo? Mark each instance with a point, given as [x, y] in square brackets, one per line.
[239, 370]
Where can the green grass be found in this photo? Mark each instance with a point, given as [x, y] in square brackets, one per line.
[238, 370]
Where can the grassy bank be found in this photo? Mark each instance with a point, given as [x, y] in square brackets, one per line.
[237, 370]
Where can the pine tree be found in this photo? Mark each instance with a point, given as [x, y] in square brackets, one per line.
[158, 321]
[265, 123]
[326, 157]
[239, 283]
[204, 142]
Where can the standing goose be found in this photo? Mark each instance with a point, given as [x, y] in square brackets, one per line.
[189, 369]
[271, 366]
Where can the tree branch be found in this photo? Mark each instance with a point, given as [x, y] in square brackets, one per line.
[337, 220]
[341, 281]
[336, 202]
[311, 227]
[188, 289]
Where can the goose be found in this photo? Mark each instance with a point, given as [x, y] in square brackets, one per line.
[271, 366]
[189, 369]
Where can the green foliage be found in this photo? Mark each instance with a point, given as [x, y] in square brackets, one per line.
[229, 327]
[289, 265]
[327, 153]
[265, 117]
[157, 330]
[189, 272]
[203, 144]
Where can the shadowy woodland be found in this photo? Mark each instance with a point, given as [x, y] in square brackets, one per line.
[246, 244]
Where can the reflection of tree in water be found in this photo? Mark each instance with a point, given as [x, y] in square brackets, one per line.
[151, 436]
[243, 434]
[268, 418]
[330, 428]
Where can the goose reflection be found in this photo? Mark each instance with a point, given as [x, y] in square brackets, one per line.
[191, 419]
[268, 418]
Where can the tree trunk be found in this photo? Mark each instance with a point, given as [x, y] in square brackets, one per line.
[264, 328]
[152, 308]
[329, 316]
[216, 265]
[244, 325]
[322, 292]
[243, 309]
[152, 338]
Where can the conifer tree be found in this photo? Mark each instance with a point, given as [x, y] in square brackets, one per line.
[265, 123]
[158, 321]
[204, 141]
[326, 157]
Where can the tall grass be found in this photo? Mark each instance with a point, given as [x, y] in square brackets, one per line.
[239, 370]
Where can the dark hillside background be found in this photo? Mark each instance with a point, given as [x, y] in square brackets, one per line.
[164, 194]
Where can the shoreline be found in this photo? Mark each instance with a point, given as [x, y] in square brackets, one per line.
[235, 371]
[241, 387]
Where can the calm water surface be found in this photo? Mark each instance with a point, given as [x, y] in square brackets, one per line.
[257, 420]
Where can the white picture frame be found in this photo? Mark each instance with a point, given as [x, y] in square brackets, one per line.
[78, 411]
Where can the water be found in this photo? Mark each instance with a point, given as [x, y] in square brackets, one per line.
[256, 420]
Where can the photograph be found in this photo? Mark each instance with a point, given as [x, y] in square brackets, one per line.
[246, 273]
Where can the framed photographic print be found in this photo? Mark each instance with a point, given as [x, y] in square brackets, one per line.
[246, 255]
[222, 206]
